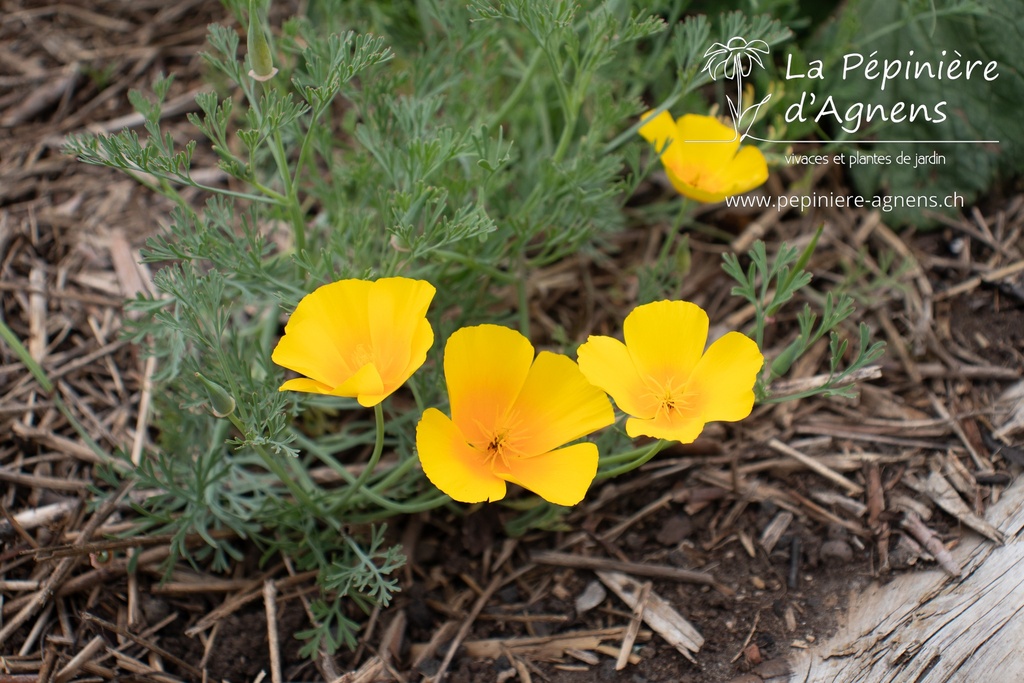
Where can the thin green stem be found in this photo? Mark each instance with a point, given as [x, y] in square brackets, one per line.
[644, 456]
[373, 495]
[290, 188]
[271, 197]
[291, 191]
[798, 267]
[364, 476]
[568, 130]
[520, 88]
[625, 456]
[394, 475]
[522, 294]
[470, 262]
[572, 116]
[304, 148]
[278, 469]
[423, 503]
[631, 132]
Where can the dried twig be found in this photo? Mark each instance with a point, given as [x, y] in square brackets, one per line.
[78, 661]
[634, 626]
[927, 538]
[63, 568]
[831, 475]
[148, 644]
[467, 623]
[273, 642]
[654, 571]
[659, 614]
[792, 387]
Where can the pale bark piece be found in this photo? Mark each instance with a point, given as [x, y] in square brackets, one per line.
[773, 532]
[929, 628]
[37, 336]
[1009, 415]
[634, 627]
[659, 614]
[592, 596]
[945, 496]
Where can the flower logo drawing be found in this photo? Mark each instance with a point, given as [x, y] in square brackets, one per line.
[735, 59]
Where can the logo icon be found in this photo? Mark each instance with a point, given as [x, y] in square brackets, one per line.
[736, 59]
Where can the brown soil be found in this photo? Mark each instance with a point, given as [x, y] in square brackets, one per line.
[66, 231]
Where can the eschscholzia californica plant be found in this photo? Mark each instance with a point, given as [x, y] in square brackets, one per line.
[357, 338]
[705, 171]
[511, 415]
[664, 379]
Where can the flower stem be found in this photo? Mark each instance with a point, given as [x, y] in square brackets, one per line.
[523, 298]
[513, 98]
[634, 459]
[291, 193]
[275, 466]
[378, 448]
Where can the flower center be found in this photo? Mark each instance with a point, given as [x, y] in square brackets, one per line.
[672, 400]
[677, 403]
[498, 448]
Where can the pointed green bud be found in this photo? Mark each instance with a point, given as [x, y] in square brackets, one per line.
[262, 60]
[221, 402]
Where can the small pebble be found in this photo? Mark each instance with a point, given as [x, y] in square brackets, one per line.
[675, 530]
[592, 596]
[836, 551]
[509, 594]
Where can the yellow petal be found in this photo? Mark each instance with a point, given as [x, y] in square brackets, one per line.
[661, 131]
[747, 170]
[422, 340]
[722, 384]
[358, 338]
[561, 477]
[397, 309]
[705, 161]
[322, 333]
[606, 363]
[451, 464]
[693, 133]
[665, 340]
[485, 367]
[365, 386]
[310, 386]
[686, 189]
[555, 406]
[668, 426]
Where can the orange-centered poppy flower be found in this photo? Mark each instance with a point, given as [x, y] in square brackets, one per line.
[705, 171]
[357, 338]
[664, 379]
[511, 414]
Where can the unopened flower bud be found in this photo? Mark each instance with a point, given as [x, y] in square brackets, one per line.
[260, 57]
[221, 402]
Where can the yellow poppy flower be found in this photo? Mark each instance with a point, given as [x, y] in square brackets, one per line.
[664, 379]
[705, 171]
[357, 338]
[510, 415]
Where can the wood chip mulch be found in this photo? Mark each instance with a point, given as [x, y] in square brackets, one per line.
[712, 560]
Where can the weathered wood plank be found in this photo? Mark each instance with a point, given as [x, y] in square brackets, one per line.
[929, 628]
